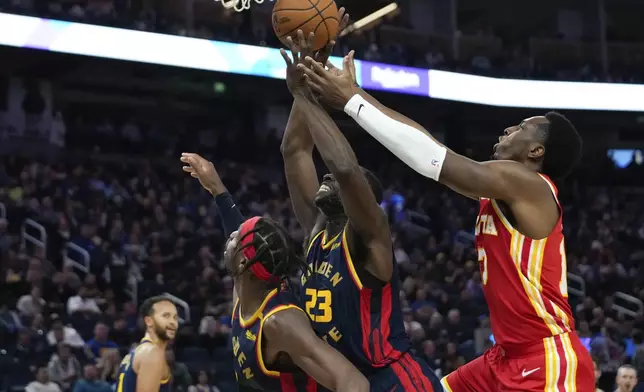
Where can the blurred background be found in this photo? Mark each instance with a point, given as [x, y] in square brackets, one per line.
[96, 214]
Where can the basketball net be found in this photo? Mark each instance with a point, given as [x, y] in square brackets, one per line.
[239, 5]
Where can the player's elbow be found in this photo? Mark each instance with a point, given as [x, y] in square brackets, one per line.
[345, 171]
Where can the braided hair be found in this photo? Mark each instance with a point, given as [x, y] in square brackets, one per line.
[269, 250]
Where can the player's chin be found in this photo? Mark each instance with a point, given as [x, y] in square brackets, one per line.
[170, 333]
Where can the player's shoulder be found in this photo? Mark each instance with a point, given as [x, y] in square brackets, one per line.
[282, 320]
[146, 353]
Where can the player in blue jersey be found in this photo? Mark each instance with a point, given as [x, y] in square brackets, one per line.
[352, 296]
[274, 345]
[144, 368]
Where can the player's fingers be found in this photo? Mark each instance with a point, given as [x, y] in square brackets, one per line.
[188, 169]
[330, 66]
[315, 87]
[293, 48]
[194, 174]
[287, 59]
[310, 41]
[351, 64]
[310, 74]
[314, 65]
[301, 40]
[343, 17]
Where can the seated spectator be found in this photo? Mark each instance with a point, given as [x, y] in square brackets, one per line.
[60, 333]
[82, 303]
[90, 381]
[626, 379]
[203, 384]
[181, 379]
[64, 368]
[598, 374]
[42, 383]
[9, 319]
[31, 304]
[28, 354]
[101, 340]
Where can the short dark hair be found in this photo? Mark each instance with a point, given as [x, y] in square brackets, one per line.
[147, 307]
[374, 183]
[274, 249]
[563, 146]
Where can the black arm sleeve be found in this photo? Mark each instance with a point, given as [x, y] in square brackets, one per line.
[231, 218]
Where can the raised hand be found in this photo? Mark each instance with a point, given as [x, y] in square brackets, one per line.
[301, 47]
[334, 87]
[203, 170]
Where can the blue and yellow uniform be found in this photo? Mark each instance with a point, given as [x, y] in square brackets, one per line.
[250, 370]
[364, 322]
[127, 375]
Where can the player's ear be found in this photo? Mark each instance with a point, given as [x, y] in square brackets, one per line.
[536, 151]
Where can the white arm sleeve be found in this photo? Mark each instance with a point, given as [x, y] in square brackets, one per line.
[417, 150]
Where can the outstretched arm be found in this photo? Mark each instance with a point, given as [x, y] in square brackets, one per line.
[290, 331]
[205, 172]
[299, 168]
[367, 221]
[502, 180]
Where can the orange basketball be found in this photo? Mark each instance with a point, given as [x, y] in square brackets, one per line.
[317, 16]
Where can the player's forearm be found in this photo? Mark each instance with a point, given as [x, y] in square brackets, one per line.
[296, 135]
[335, 150]
[231, 217]
[391, 113]
[419, 151]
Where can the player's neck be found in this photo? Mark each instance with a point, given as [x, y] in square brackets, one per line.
[155, 340]
[251, 296]
[335, 224]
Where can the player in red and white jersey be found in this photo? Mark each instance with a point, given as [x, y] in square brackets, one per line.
[519, 236]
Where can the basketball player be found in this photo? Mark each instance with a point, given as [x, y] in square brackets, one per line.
[144, 368]
[272, 338]
[352, 293]
[519, 236]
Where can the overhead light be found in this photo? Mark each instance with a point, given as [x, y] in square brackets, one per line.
[369, 19]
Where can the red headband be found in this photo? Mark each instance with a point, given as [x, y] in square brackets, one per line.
[248, 250]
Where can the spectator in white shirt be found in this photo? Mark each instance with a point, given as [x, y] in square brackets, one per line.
[64, 368]
[42, 383]
[82, 303]
[31, 304]
[63, 334]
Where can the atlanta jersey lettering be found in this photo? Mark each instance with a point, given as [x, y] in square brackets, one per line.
[524, 280]
[249, 366]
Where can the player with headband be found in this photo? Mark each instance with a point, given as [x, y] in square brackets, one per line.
[271, 335]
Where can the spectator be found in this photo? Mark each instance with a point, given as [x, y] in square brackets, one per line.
[101, 342]
[82, 303]
[64, 368]
[60, 333]
[9, 319]
[598, 374]
[181, 379]
[626, 378]
[42, 383]
[31, 304]
[203, 384]
[90, 381]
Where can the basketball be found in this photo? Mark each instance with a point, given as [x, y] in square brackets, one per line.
[317, 16]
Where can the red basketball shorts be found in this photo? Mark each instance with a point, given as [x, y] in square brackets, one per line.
[559, 363]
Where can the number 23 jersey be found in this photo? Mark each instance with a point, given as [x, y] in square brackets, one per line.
[364, 324]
